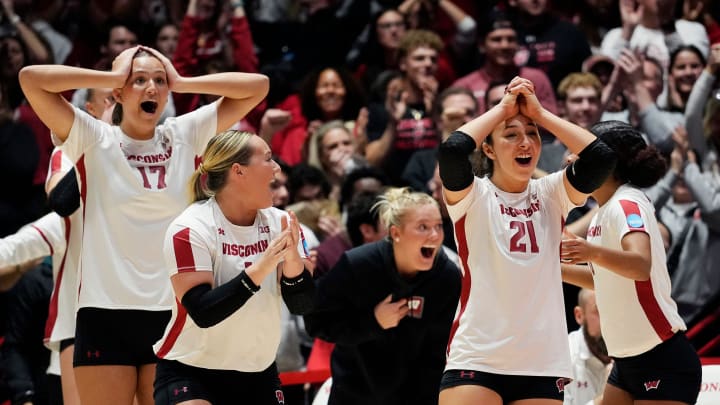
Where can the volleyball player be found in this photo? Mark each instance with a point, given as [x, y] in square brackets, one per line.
[653, 360]
[132, 178]
[509, 338]
[231, 258]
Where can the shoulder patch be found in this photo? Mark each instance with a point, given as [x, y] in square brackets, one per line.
[632, 214]
[634, 221]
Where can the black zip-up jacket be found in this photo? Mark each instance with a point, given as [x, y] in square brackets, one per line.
[400, 365]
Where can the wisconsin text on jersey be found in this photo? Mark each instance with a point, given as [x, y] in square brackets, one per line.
[594, 231]
[513, 212]
[232, 249]
[156, 158]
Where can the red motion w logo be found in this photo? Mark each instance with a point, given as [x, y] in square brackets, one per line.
[560, 384]
[280, 396]
[652, 385]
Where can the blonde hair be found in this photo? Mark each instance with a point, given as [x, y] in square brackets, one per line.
[314, 147]
[577, 79]
[221, 152]
[414, 39]
[396, 202]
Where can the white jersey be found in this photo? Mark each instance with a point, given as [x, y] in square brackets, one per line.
[130, 192]
[202, 239]
[636, 315]
[48, 236]
[60, 324]
[54, 366]
[511, 316]
[589, 373]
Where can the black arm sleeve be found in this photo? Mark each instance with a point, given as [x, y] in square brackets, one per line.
[209, 306]
[298, 293]
[455, 168]
[65, 197]
[594, 164]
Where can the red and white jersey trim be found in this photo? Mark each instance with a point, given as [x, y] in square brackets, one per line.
[636, 315]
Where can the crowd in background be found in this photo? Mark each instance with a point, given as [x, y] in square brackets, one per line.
[361, 95]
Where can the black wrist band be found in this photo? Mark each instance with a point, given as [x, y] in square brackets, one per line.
[248, 283]
[292, 281]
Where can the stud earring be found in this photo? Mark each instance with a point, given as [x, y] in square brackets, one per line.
[397, 240]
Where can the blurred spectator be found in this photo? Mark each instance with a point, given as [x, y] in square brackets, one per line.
[639, 78]
[309, 191]
[601, 66]
[363, 179]
[25, 144]
[408, 125]
[166, 39]
[677, 207]
[588, 353]
[686, 64]
[41, 16]
[650, 26]
[119, 36]
[327, 30]
[594, 18]
[206, 44]
[426, 14]
[453, 107]
[379, 51]
[144, 12]
[709, 14]
[362, 226]
[579, 96]
[552, 45]
[37, 50]
[327, 93]
[332, 149]
[498, 41]
[696, 237]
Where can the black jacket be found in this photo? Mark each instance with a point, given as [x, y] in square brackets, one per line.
[401, 365]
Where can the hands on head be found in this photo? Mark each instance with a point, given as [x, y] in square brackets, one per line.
[520, 98]
[122, 65]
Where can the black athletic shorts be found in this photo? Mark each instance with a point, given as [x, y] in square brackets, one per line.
[509, 387]
[670, 371]
[177, 382]
[65, 343]
[117, 336]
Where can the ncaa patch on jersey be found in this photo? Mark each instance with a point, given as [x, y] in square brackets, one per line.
[634, 221]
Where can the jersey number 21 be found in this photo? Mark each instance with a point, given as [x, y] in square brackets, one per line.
[524, 232]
